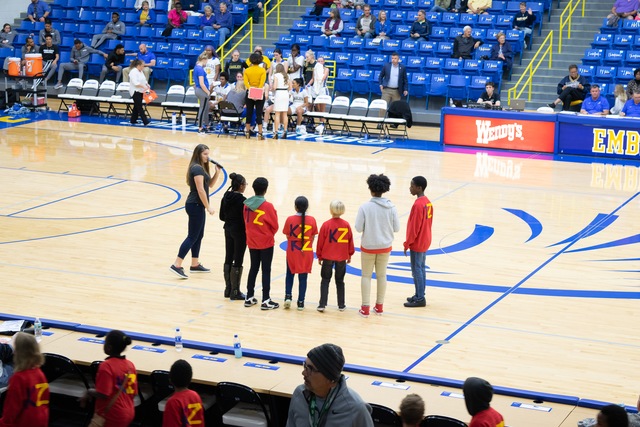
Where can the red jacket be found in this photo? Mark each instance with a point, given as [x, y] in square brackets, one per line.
[335, 241]
[300, 256]
[110, 377]
[261, 223]
[419, 225]
[27, 401]
[184, 408]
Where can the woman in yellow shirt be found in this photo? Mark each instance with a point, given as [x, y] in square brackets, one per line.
[255, 77]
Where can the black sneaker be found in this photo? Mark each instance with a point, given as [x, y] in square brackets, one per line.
[552, 105]
[300, 305]
[269, 305]
[179, 271]
[411, 299]
[250, 301]
[320, 308]
[199, 269]
[416, 303]
[342, 307]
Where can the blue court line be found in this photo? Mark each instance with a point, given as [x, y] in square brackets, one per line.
[585, 231]
[380, 150]
[603, 222]
[530, 220]
[68, 197]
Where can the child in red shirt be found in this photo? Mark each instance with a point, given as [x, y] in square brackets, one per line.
[300, 230]
[116, 383]
[27, 400]
[184, 408]
[335, 248]
[261, 225]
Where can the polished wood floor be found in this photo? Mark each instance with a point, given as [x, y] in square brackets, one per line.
[533, 278]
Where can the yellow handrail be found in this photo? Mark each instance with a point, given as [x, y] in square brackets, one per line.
[546, 48]
[331, 65]
[249, 34]
[275, 9]
[565, 21]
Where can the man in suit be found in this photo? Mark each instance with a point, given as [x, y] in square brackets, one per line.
[393, 80]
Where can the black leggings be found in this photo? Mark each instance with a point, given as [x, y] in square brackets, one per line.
[258, 257]
[258, 105]
[197, 218]
[235, 246]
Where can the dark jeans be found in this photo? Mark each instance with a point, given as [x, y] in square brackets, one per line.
[325, 273]
[258, 257]
[197, 218]
[569, 95]
[138, 110]
[259, 108]
[235, 242]
[302, 284]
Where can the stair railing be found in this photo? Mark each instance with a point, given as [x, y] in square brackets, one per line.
[545, 49]
[274, 9]
[566, 18]
[221, 53]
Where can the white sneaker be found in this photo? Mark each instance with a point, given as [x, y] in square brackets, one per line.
[320, 129]
[58, 86]
[303, 130]
[298, 130]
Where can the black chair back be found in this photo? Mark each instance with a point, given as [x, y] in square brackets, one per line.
[229, 394]
[384, 416]
[441, 421]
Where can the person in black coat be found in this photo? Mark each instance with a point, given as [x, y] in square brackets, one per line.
[573, 87]
[231, 207]
[502, 51]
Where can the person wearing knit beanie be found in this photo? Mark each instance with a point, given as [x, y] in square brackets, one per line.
[324, 398]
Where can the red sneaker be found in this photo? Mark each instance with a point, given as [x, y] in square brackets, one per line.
[377, 309]
[364, 311]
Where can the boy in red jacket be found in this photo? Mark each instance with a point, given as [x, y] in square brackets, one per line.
[261, 225]
[335, 248]
[418, 239]
[184, 407]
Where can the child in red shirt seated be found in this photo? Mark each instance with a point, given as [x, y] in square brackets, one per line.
[184, 407]
[477, 397]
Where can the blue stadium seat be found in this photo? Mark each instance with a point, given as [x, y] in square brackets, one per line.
[400, 31]
[178, 35]
[408, 47]
[337, 44]
[497, 7]
[359, 61]
[427, 48]
[486, 21]
[444, 50]
[438, 87]
[344, 78]
[454, 32]
[361, 82]
[479, 33]
[450, 19]
[161, 70]
[452, 66]
[415, 64]
[630, 26]
[614, 57]
[587, 71]
[418, 85]
[610, 30]
[468, 19]
[179, 50]
[389, 46]
[439, 33]
[624, 75]
[398, 16]
[343, 59]
[605, 74]
[477, 86]
[472, 67]
[632, 59]
[370, 46]
[348, 15]
[348, 29]
[284, 41]
[504, 22]
[319, 43]
[593, 57]
[377, 61]
[602, 41]
[179, 70]
[433, 65]
[328, 56]
[408, 4]
[622, 41]
[303, 40]
[433, 18]
[163, 48]
[355, 44]
[457, 87]
[299, 27]
[483, 50]
[493, 70]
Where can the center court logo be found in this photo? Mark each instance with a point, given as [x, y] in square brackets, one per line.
[487, 133]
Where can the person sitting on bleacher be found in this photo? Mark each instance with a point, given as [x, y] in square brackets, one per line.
[573, 87]
[176, 17]
[207, 18]
[29, 47]
[366, 26]
[383, 26]
[412, 410]
[620, 95]
[146, 16]
[254, 8]
[622, 9]
[191, 6]
[502, 51]
[113, 63]
[223, 22]
[148, 58]
[523, 20]
[632, 107]
[441, 6]
[634, 84]
[215, 4]
[80, 55]
[112, 31]
[479, 7]
[490, 97]
[596, 103]
[420, 28]
[477, 398]
[183, 400]
[333, 25]
[6, 36]
[48, 29]
[38, 11]
[320, 5]
[465, 44]
[50, 57]
[139, 3]
[234, 66]
[459, 6]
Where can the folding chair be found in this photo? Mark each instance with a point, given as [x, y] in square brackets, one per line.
[375, 116]
[383, 415]
[66, 382]
[339, 108]
[121, 102]
[229, 113]
[242, 406]
[172, 101]
[74, 88]
[441, 421]
[357, 112]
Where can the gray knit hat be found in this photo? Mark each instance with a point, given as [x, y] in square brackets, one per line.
[328, 359]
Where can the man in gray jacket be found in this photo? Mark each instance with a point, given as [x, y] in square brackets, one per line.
[112, 30]
[80, 55]
[324, 400]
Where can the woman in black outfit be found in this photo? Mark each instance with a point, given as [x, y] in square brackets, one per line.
[197, 204]
[234, 235]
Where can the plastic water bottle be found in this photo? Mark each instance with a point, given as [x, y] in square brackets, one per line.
[178, 340]
[237, 348]
[37, 329]
[174, 120]
[184, 120]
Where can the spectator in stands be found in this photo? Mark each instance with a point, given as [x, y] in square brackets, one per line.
[573, 87]
[27, 382]
[393, 80]
[459, 6]
[502, 51]
[333, 25]
[38, 11]
[441, 6]
[489, 96]
[148, 59]
[176, 18]
[255, 77]
[6, 363]
[112, 31]
[366, 26]
[183, 400]
[113, 63]
[215, 4]
[234, 66]
[479, 7]
[264, 61]
[412, 410]
[7, 35]
[207, 19]
[139, 3]
[622, 9]
[612, 416]
[223, 23]
[632, 106]
[50, 57]
[192, 6]
[295, 61]
[524, 20]
[420, 28]
[48, 29]
[146, 16]
[138, 85]
[634, 84]
[621, 97]
[323, 380]
[477, 397]
[80, 55]
[254, 8]
[29, 47]
[320, 5]
[595, 104]
[212, 67]
[465, 44]
[383, 26]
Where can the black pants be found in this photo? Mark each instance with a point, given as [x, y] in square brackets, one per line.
[569, 95]
[197, 218]
[325, 273]
[138, 109]
[258, 105]
[167, 30]
[235, 242]
[259, 257]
